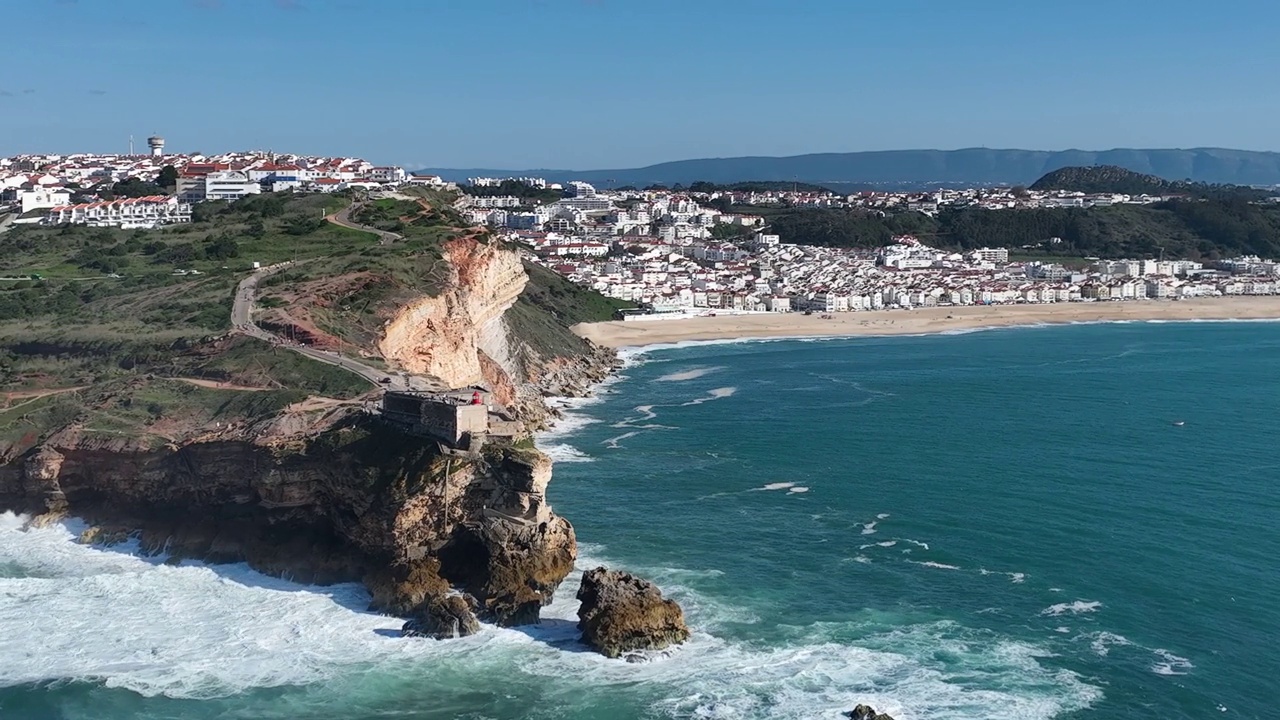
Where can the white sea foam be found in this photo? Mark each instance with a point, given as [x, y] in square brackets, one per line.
[1170, 664]
[887, 543]
[869, 528]
[797, 490]
[917, 543]
[1017, 577]
[774, 486]
[565, 453]
[198, 632]
[612, 443]
[1072, 608]
[716, 394]
[932, 564]
[1062, 629]
[882, 516]
[1102, 642]
[690, 374]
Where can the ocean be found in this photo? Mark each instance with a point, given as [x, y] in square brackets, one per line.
[996, 524]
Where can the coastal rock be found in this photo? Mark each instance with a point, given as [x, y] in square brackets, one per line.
[866, 712]
[621, 613]
[404, 588]
[442, 618]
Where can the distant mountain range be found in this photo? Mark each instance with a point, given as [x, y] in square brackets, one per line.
[921, 168]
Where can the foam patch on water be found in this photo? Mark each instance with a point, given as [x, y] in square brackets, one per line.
[565, 453]
[932, 564]
[1170, 664]
[774, 486]
[690, 374]
[716, 394]
[869, 528]
[188, 631]
[1102, 642]
[198, 632]
[1072, 608]
[612, 443]
[795, 490]
[882, 516]
[917, 543]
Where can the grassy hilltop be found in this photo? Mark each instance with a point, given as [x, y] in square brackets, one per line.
[127, 331]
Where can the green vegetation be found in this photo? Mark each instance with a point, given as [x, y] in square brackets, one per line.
[147, 410]
[511, 188]
[550, 305]
[1113, 179]
[1200, 230]
[124, 332]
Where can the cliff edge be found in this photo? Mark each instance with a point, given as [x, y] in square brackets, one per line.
[260, 446]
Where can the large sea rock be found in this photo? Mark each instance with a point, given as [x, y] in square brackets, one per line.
[621, 613]
[866, 712]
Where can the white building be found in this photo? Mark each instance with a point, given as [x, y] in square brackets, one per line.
[38, 198]
[581, 189]
[143, 212]
[229, 185]
[387, 174]
[992, 255]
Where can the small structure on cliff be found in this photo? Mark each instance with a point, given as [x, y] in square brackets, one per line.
[462, 419]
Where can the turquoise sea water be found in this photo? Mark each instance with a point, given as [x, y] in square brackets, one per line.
[1002, 524]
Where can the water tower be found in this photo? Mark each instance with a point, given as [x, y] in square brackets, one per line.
[156, 143]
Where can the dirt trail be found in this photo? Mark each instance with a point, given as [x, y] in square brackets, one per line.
[220, 385]
[28, 396]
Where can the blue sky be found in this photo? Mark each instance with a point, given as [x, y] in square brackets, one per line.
[605, 83]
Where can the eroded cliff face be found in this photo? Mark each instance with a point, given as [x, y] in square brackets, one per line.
[459, 334]
[360, 502]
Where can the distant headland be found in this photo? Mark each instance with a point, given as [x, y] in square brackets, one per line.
[923, 168]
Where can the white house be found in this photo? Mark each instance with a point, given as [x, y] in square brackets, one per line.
[143, 212]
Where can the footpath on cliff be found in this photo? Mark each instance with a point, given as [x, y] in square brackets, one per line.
[224, 416]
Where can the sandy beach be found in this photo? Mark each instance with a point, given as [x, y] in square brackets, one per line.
[636, 333]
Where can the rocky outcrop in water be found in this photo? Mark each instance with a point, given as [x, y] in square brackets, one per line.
[866, 712]
[442, 618]
[621, 613]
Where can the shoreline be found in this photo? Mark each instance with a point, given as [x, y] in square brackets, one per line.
[618, 334]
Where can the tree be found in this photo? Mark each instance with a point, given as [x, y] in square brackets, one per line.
[133, 187]
[168, 178]
[222, 248]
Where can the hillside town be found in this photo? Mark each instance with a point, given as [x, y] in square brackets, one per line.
[661, 249]
[666, 250]
[82, 188]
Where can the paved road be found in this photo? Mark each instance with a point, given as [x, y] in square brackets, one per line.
[242, 322]
[343, 218]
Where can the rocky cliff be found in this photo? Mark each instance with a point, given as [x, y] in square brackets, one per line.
[337, 494]
[360, 502]
[463, 337]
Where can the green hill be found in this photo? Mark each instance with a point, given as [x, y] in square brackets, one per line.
[1113, 179]
[113, 326]
[1195, 229]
